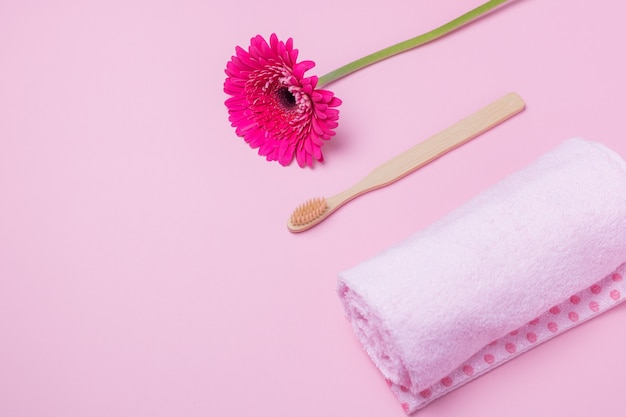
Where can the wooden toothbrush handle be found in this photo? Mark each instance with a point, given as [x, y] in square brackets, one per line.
[441, 143]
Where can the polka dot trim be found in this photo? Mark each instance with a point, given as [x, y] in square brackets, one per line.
[578, 308]
[426, 393]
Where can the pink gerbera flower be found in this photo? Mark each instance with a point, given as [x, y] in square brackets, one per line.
[274, 107]
[278, 110]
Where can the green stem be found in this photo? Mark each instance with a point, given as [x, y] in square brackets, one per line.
[410, 43]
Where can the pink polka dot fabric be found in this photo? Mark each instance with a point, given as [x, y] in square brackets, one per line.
[537, 254]
[580, 307]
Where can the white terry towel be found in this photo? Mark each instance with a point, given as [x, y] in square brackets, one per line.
[538, 253]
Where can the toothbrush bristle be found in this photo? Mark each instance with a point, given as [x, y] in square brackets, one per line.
[308, 212]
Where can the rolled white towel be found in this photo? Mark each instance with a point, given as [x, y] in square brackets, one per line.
[538, 253]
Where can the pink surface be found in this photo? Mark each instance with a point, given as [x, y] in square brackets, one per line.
[145, 265]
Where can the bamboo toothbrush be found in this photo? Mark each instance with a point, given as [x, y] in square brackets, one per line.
[315, 210]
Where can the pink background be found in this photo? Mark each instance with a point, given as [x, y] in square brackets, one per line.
[145, 266]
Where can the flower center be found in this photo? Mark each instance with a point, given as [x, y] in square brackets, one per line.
[285, 98]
